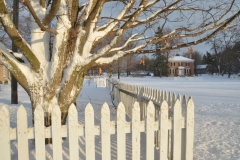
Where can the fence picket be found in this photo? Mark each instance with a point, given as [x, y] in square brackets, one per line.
[135, 131]
[22, 133]
[163, 129]
[189, 129]
[56, 133]
[150, 131]
[89, 132]
[5, 150]
[39, 133]
[177, 136]
[162, 96]
[184, 110]
[121, 135]
[73, 132]
[176, 114]
[105, 132]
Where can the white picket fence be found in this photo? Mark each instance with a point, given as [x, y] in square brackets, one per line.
[128, 94]
[100, 81]
[73, 130]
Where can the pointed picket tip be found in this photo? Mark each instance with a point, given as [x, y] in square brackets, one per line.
[150, 105]
[89, 108]
[136, 105]
[38, 109]
[72, 111]
[21, 110]
[164, 103]
[4, 110]
[190, 102]
[184, 100]
[105, 107]
[72, 108]
[56, 109]
[120, 106]
[177, 103]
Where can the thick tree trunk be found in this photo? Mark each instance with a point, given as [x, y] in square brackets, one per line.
[48, 122]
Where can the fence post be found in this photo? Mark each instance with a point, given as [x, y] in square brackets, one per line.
[5, 149]
[189, 129]
[73, 132]
[121, 135]
[56, 133]
[177, 116]
[89, 132]
[39, 132]
[135, 131]
[150, 131]
[105, 132]
[22, 133]
[163, 131]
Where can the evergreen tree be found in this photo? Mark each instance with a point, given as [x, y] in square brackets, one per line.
[160, 62]
[210, 60]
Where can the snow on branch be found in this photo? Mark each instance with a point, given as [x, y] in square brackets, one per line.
[40, 24]
[19, 70]
[19, 42]
[130, 40]
[155, 14]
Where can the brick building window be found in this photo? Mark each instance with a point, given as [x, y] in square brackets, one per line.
[172, 63]
[187, 64]
[172, 71]
[188, 71]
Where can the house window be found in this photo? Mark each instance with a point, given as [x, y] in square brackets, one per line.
[180, 64]
[187, 71]
[172, 63]
[187, 64]
[172, 71]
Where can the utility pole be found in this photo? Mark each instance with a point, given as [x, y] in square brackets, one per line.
[14, 84]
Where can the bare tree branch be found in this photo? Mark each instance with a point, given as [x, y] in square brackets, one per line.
[13, 66]
[43, 28]
[52, 13]
[11, 30]
[43, 3]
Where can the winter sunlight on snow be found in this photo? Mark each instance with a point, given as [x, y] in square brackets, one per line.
[217, 114]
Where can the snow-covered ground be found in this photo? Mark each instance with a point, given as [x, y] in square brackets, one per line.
[217, 113]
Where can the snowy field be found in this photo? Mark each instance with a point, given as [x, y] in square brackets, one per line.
[217, 114]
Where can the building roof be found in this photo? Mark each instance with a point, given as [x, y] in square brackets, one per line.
[203, 66]
[180, 59]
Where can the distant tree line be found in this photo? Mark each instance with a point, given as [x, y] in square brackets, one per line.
[225, 53]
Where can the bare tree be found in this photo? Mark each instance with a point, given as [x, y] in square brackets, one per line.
[222, 42]
[54, 77]
[230, 60]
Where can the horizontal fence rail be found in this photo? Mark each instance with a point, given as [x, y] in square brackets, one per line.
[182, 116]
[73, 130]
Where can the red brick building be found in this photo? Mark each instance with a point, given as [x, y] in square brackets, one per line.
[180, 66]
